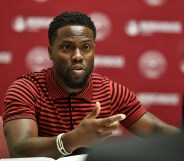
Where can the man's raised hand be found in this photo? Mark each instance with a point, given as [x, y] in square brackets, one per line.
[92, 130]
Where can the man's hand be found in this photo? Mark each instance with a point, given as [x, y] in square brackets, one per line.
[92, 130]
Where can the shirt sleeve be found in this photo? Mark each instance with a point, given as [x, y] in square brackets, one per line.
[20, 101]
[124, 101]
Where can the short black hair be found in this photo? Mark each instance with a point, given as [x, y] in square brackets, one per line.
[69, 18]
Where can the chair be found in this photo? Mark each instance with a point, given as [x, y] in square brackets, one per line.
[4, 153]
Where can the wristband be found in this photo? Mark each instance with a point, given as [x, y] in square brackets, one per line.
[60, 145]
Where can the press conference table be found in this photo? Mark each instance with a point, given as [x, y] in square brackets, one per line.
[69, 158]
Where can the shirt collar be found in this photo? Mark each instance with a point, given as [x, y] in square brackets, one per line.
[57, 92]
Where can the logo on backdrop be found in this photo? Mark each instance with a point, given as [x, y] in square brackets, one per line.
[182, 66]
[37, 58]
[31, 24]
[103, 25]
[155, 3]
[5, 57]
[41, 1]
[154, 98]
[150, 27]
[152, 64]
[109, 61]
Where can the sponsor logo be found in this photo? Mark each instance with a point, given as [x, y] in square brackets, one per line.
[182, 66]
[109, 61]
[155, 3]
[5, 57]
[31, 24]
[103, 25]
[150, 27]
[152, 64]
[151, 98]
[37, 58]
[41, 1]
[37, 23]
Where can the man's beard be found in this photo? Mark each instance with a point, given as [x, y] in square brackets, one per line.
[77, 84]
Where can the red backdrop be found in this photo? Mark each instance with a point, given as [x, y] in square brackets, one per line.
[140, 43]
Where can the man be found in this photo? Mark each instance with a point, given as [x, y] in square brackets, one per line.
[58, 110]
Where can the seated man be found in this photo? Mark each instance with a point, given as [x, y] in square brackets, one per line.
[53, 112]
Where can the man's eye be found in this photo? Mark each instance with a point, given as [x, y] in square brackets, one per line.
[67, 47]
[86, 47]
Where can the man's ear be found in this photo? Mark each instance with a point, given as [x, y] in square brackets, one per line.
[50, 53]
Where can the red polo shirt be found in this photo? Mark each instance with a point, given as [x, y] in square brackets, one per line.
[37, 96]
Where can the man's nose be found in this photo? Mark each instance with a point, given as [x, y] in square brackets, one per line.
[77, 55]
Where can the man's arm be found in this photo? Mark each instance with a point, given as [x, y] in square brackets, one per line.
[23, 140]
[149, 124]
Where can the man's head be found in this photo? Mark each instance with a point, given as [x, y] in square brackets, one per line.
[72, 49]
[69, 18]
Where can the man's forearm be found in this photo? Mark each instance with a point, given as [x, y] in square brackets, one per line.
[36, 147]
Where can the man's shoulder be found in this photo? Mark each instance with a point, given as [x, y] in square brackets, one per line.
[37, 79]
[33, 76]
[100, 77]
[105, 80]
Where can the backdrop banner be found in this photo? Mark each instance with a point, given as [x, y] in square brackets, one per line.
[140, 44]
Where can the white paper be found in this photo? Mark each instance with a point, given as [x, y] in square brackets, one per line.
[69, 158]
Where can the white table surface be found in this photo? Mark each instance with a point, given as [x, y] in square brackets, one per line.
[69, 158]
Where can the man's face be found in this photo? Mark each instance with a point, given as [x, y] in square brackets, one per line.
[73, 56]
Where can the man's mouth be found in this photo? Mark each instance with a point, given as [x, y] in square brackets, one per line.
[77, 69]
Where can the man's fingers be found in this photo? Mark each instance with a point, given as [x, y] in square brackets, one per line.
[108, 129]
[93, 114]
[113, 126]
[104, 135]
[110, 120]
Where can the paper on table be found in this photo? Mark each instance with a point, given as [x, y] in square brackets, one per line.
[69, 158]
[29, 159]
[81, 157]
